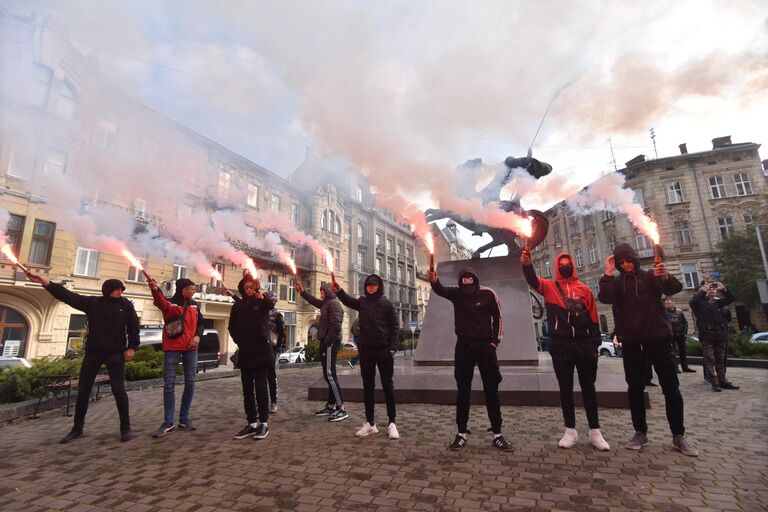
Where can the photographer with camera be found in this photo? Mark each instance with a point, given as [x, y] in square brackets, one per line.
[713, 330]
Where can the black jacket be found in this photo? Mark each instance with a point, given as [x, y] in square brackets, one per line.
[678, 321]
[331, 316]
[710, 321]
[379, 326]
[476, 311]
[638, 311]
[110, 321]
[249, 327]
[277, 328]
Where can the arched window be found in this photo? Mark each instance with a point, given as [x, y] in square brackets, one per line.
[323, 220]
[14, 329]
[337, 226]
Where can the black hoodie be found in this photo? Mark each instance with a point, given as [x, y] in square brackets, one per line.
[110, 321]
[379, 326]
[331, 315]
[249, 327]
[476, 310]
[638, 311]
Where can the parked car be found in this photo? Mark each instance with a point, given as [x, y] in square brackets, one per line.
[349, 345]
[760, 337]
[542, 343]
[606, 348]
[295, 355]
[12, 362]
[207, 353]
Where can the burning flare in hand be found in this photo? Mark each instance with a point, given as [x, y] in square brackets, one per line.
[134, 261]
[289, 261]
[329, 260]
[9, 254]
[250, 267]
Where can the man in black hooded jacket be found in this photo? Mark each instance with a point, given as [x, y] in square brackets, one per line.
[478, 324]
[249, 327]
[644, 330]
[329, 334]
[379, 329]
[111, 320]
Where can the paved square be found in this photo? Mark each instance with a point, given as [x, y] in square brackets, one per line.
[309, 464]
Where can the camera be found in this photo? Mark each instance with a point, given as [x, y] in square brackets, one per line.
[713, 285]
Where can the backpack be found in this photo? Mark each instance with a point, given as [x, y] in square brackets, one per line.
[576, 309]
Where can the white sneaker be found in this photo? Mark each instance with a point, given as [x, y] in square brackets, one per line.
[596, 440]
[366, 430]
[392, 432]
[569, 438]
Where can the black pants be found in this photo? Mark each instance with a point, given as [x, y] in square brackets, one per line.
[679, 343]
[580, 354]
[659, 351]
[370, 358]
[255, 378]
[328, 360]
[467, 354]
[115, 363]
[272, 376]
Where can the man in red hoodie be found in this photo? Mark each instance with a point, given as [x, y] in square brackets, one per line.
[572, 319]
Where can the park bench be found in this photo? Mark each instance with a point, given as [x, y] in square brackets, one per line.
[53, 385]
[204, 365]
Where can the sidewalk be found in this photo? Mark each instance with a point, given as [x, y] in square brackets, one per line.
[309, 464]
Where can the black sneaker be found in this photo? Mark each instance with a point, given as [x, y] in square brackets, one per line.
[502, 444]
[338, 415]
[459, 442]
[689, 370]
[248, 431]
[187, 425]
[73, 434]
[126, 434]
[262, 431]
[325, 411]
[728, 385]
[165, 428]
[651, 384]
[716, 388]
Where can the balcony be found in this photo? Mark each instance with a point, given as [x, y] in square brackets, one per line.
[645, 253]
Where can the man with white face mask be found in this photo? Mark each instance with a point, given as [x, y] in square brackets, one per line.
[478, 323]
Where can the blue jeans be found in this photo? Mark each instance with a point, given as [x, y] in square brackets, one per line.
[171, 360]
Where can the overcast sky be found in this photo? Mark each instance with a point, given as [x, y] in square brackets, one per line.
[413, 86]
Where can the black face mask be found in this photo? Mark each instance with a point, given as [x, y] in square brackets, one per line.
[566, 271]
[467, 285]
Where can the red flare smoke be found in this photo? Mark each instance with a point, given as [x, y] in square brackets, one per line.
[134, 261]
[9, 254]
[250, 267]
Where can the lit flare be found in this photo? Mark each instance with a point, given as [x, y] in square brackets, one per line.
[289, 261]
[134, 261]
[250, 267]
[9, 254]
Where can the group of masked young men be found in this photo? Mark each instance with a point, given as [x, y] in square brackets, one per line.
[635, 295]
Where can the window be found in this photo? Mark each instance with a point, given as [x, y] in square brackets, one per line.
[595, 286]
[573, 225]
[323, 221]
[716, 187]
[337, 226]
[410, 276]
[379, 263]
[66, 107]
[360, 259]
[690, 275]
[252, 196]
[379, 236]
[674, 193]
[179, 271]
[359, 194]
[400, 248]
[607, 215]
[400, 273]
[641, 241]
[272, 283]
[577, 257]
[639, 197]
[612, 242]
[743, 186]
[547, 269]
[592, 253]
[291, 290]
[683, 233]
[749, 221]
[558, 238]
[726, 226]
[87, 262]
[38, 85]
[135, 275]
[219, 267]
[274, 202]
[289, 319]
[390, 243]
[14, 231]
[21, 165]
[42, 242]
[360, 233]
[589, 222]
[56, 162]
[390, 270]
[225, 179]
[296, 213]
[409, 252]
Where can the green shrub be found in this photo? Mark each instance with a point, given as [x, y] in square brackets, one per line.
[149, 355]
[693, 348]
[142, 370]
[21, 383]
[312, 350]
[741, 346]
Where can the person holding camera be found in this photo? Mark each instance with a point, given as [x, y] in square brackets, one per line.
[644, 330]
[713, 331]
[679, 330]
[572, 319]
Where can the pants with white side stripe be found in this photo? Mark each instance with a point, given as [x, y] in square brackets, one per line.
[328, 360]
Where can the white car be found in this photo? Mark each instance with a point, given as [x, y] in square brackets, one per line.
[12, 362]
[606, 348]
[295, 355]
[760, 337]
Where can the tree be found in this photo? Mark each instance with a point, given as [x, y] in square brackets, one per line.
[740, 262]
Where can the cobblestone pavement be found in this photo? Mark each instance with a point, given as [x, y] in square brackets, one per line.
[309, 464]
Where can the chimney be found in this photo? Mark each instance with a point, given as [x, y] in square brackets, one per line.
[637, 160]
[683, 148]
[719, 142]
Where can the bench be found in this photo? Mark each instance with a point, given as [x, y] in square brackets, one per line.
[55, 384]
[204, 365]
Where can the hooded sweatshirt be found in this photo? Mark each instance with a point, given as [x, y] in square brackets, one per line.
[193, 318]
[558, 317]
[476, 309]
[379, 326]
[110, 321]
[249, 328]
[331, 315]
[638, 311]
